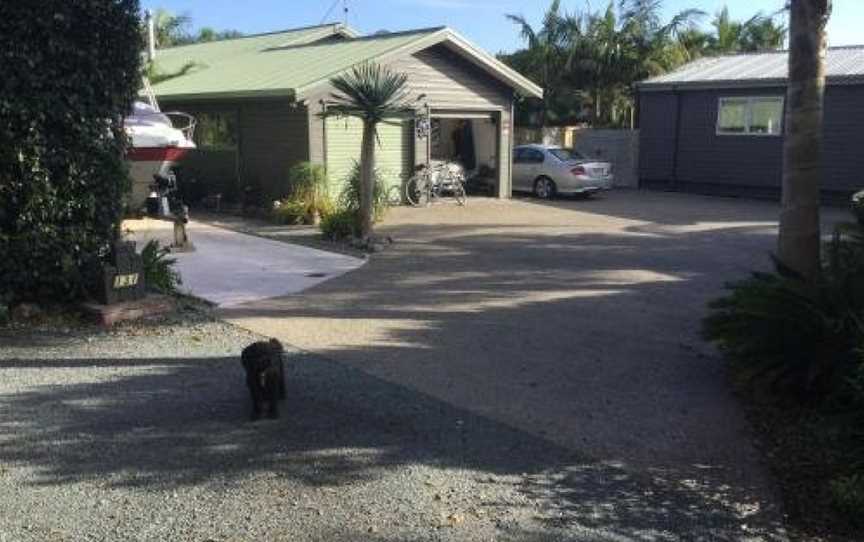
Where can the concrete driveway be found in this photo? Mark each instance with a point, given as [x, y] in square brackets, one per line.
[230, 268]
[576, 321]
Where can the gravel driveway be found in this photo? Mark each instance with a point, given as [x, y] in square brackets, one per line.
[141, 434]
[576, 322]
[508, 371]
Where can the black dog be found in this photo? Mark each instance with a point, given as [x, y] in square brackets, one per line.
[265, 376]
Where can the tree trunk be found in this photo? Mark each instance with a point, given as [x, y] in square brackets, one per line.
[596, 108]
[367, 179]
[799, 240]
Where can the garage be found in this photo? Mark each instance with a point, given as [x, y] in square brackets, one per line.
[394, 150]
[469, 139]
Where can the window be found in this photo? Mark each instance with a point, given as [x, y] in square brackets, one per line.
[754, 115]
[527, 155]
[518, 155]
[216, 131]
[565, 155]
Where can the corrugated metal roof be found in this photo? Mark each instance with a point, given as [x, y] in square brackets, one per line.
[206, 54]
[842, 65]
[283, 70]
[293, 62]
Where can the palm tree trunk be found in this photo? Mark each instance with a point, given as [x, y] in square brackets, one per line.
[799, 240]
[367, 179]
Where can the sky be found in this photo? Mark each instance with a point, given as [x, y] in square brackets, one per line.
[481, 21]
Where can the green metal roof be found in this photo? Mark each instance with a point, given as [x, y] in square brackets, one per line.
[204, 55]
[291, 63]
[274, 67]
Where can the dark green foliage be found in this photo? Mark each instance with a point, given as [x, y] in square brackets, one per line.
[341, 224]
[796, 349]
[350, 196]
[159, 272]
[70, 71]
[803, 335]
[800, 335]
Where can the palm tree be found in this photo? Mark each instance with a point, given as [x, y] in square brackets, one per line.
[762, 33]
[547, 44]
[799, 239]
[170, 29]
[727, 38]
[758, 33]
[371, 93]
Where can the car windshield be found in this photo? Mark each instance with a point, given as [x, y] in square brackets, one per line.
[566, 154]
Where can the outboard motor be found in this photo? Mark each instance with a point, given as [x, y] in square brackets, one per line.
[163, 191]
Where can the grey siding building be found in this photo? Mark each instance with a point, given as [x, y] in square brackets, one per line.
[259, 100]
[716, 125]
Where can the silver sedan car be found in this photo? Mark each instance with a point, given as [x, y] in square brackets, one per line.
[546, 171]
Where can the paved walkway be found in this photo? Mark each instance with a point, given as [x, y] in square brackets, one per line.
[576, 321]
[230, 268]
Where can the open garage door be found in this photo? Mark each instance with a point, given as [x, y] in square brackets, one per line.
[470, 139]
[394, 150]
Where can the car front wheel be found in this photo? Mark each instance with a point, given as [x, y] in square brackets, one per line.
[544, 188]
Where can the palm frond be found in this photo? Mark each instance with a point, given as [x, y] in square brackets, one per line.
[369, 91]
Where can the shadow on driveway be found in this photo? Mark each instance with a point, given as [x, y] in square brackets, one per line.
[181, 423]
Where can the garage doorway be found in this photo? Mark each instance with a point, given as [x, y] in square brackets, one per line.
[471, 140]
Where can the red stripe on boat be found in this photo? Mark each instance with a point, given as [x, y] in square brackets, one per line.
[155, 154]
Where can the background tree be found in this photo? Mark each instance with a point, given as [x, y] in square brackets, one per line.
[759, 33]
[172, 30]
[62, 173]
[799, 240]
[545, 51]
[371, 93]
[588, 61]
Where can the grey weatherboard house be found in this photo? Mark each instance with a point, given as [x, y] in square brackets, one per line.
[716, 125]
[258, 101]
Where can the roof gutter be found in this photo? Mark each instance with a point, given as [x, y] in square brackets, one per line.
[647, 86]
[277, 93]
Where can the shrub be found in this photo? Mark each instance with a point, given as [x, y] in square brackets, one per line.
[350, 196]
[290, 212]
[308, 182]
[62, 174]
[308, 198]
[159, 272]
[340, 225]
[801, 335]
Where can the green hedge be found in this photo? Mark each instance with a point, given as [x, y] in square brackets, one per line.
[70, 71]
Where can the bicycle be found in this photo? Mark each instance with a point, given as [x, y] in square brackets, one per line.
[429, 184]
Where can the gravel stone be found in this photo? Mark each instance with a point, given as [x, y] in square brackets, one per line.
[141, 433]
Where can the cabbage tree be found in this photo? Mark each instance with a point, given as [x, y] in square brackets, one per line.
[371, 93]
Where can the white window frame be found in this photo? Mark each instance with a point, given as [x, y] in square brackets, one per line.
[748, 115]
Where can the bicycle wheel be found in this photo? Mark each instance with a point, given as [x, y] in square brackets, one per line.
[417, 191]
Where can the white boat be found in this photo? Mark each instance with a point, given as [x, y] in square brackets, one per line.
[158, 142]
